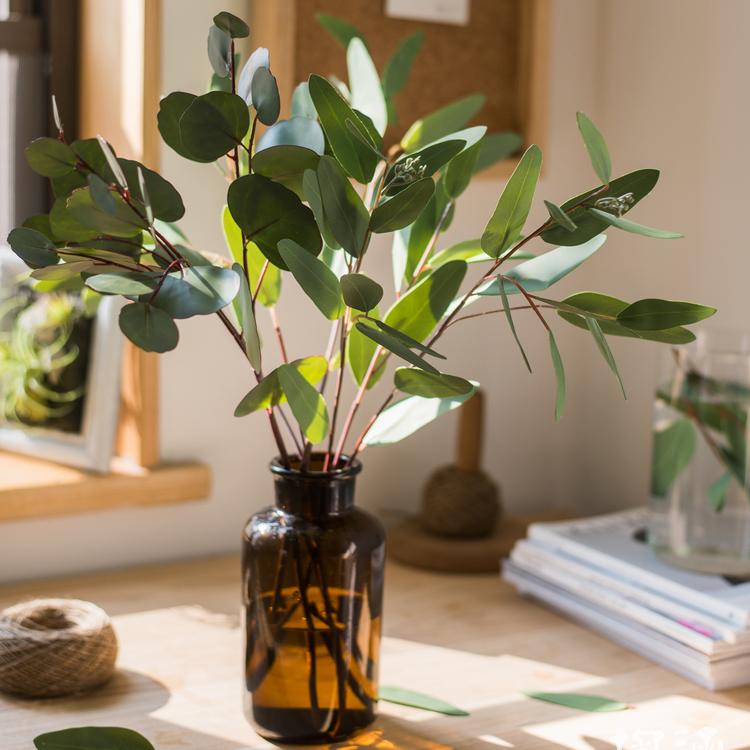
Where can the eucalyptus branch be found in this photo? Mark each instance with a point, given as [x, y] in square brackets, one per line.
[495, 312]
[337, 397]
[528, 297]
[279, 335]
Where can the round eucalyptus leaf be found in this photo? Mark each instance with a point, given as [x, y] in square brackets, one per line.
[297, 131]
[235, 27]
[101, 195]
[65, 227]
[171, 109]
[212, 125]
[122, 222]
[264, 93]
[268, 212]
[429, 384]
[41, 223]
[219, 51]
[259, 59]
[50, 157]
[32, 247]
[360, 292]
[302, 103]
[93, 738]
[128, 284]
[148, 327]
[201, 290]
[286, 165]
[166, 202]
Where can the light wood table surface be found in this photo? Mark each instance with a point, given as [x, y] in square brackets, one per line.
[470, 640]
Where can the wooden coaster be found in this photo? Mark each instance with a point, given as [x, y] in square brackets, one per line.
[409, 543]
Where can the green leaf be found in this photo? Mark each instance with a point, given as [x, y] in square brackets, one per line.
[395, 345]
[559, 216]
[407, 416]
[460, 169]
[268, 212]
[307, 405]
[417, 312]
[112, 162]
[345, 214]
[717, 492]
[317, 280]
[265, 96]
[67, 228]
[597, 148]
[200, 290]
[40, 223]
[270, 289]
[559, 376]
[333, 111]
[127, 283]
[579, 701]
[93, 738]
[364, 83]
[659, 314]
[360, 350]
[286, 165]
[512, 326]
[672, 450]
[506, 224]
[423, 163]
[302, 103]
[50, 157]
[631, 226]
[166, 202]
[398, 68]
[543, 271]
[297, 131]
[496, 147]
[609, 307]
[418, 700]
[32, 247]
[101, 195]
[404, 208]
[123, 222]
[219, 51]
[258, 59]
[342, 31]
[246, 318]
[148, 327]
[63, 271]
[312, 194]
[269, 391]
[640, 183]
[360, 292]
[235, 27]
[441, 122]
[406, 339]
[606, 352]
[430, 385]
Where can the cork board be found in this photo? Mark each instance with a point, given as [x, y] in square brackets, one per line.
[490, 55]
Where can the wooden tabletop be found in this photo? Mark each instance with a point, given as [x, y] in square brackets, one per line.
[470, 640]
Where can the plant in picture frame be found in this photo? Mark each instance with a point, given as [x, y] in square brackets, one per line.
[304, 199]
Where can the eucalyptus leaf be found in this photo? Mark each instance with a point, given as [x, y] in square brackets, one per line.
[286, 165]
[63, 271]
[128, 283]
[559, 369]
[312, 193]
[430, 385]
[101, 195]
[219, 51]
[32, 247]
[659, 314]
[606, 352]
[260, 58]
[671, 452]
[342, 31]
[579, 701]
[302, 103]
[360, 292]
[316, 279]
[637, 185]
[246, 318]
[403, 208]
[398, 68]
[441, 122]
[630, 226]
[112, 162]
[559, 216]
[333, 112]
[67, 228]
[268, 212]
[396, 346]
[496, 147]
[50, 157]
[212, 125]
[122, 222]
[148, 327]
[506, 224]
[407, 416]
[360, 350]
[264, 93]
[411, 698]
[406, 339]
[460, 170]
[365, 86]
[717, 492]
[297, 131]
[40, 223]
[307, 405]
[199, 290]
[235, 27]
[596, 146]
[92, 738]
[345, 214]
[512, 326]
[165, 201]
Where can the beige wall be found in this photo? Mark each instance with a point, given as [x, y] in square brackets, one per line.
[665, 81]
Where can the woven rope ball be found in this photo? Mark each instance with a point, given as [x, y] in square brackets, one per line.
[55, 647]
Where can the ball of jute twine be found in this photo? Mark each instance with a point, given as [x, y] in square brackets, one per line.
[55, 647]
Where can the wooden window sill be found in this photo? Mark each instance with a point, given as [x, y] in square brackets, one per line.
[31, 488]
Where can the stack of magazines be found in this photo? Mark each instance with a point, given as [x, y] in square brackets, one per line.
[602, 572]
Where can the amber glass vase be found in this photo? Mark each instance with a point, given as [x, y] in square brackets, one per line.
[312, 572]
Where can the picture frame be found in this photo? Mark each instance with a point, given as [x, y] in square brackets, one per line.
[92, 446]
